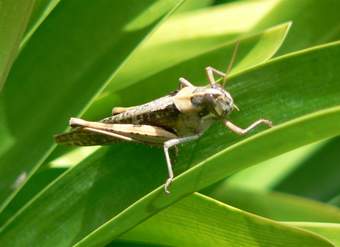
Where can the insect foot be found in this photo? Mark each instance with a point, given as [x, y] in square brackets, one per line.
[267, 122]
[166, 185]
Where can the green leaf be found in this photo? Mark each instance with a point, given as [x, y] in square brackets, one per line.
[190, 5]
[189, 35]
[274, 205]
[329, 231]
[14, 16]
[314, 22]
[40, 179]
[59, 78]
[181, 39]
[196, 37]
[133, 244]
[201, 221]
[114, 178]
[285, 90]
[335, 200]
[253, 50]
[77, 213]
[42, 8]
[302, 181]
[266, 45]
[33, 186]
[256, 177]
[296, 172]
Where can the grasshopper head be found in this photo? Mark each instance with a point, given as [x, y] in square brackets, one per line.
[221, 102]
[215, 99]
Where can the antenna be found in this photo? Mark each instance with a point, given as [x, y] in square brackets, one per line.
[233, 56]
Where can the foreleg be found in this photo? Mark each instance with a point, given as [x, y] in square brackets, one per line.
[236, 129]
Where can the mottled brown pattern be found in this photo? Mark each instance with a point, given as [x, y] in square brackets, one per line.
[162, 113]
[81, 137]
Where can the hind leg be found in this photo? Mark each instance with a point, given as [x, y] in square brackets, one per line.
[117, 110]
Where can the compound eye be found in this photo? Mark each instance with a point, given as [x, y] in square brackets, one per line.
[210, 98]
[217, 96]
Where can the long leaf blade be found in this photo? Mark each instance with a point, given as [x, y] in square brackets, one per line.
[13, 20]
[98, 184]
[319, 125]
[274, 205]
[267, 44]
[201, 221]
[80, 61]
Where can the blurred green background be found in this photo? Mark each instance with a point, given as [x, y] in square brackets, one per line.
[80, 58]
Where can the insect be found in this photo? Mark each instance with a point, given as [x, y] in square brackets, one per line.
[179, 117]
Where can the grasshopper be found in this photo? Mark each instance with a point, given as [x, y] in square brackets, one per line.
[179, 117]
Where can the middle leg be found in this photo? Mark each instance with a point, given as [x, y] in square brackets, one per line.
[168, 144]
